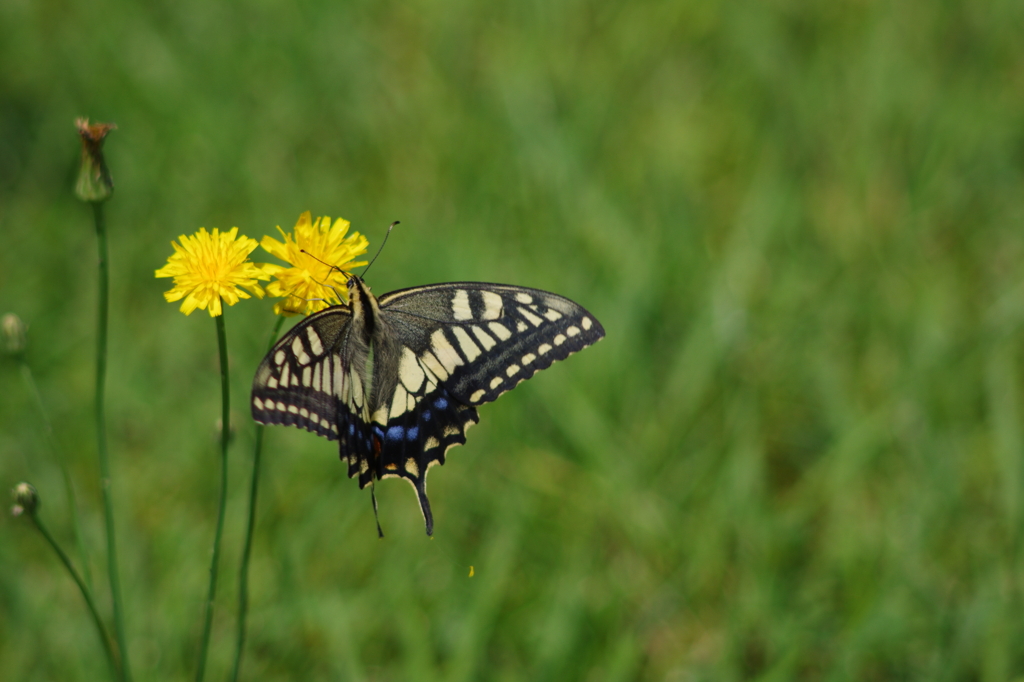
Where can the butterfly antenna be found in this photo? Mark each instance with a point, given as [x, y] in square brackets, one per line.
[391, 227]
[373, 496]
[332, 267]
[323, 262]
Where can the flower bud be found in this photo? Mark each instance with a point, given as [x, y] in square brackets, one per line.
[26, 499]
[13, 330]
[94, 182]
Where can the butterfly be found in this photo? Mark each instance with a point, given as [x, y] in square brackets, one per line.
[397, 380]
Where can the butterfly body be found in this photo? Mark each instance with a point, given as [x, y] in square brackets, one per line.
[397, 380]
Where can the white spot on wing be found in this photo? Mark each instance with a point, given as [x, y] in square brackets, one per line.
[315, 344]
[304, 412]
[300, 351]
[431, 443]
[399, 402]
[293, 409]
[460, 306]
[512, 370]
[485, 339]
[534, 320]
[496, 381]
[477, 395]
[279, 357]
[469, 349]
[285, 375]
[316, 376]
[544, 348]
[431, 362]
[587, 323]
[410, 466]
[560, 339]
[572, 331]
[410, 372]
[271, 382]
[552, 314]
[500, 330]
[524, 298]
[528, 358]
[444, 351]
[258, 403]
[492, 305]
[521, 326]
[306, 375]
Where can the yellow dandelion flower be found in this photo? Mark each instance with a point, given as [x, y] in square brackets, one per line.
[210, 268]
[317, 277]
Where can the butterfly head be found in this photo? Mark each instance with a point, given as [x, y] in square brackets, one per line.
[363, 303]
[357, 288]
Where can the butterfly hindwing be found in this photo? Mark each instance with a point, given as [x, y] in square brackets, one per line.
[418, 438]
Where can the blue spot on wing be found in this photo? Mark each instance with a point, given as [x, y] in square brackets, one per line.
[412, 433]
[395, 433]
[441, 403]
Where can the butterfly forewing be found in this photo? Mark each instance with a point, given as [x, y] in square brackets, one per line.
[300, 378]
[481, 339]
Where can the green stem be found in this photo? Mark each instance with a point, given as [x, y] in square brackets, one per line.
[101, 630]
[59, 455]
[243, 572]
[101, 436]
[225, 437]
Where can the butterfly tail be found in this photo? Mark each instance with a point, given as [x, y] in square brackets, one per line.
[420, 484]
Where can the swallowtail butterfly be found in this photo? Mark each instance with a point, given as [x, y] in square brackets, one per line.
[397, 380]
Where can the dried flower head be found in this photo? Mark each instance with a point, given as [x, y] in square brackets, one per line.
[94, 181]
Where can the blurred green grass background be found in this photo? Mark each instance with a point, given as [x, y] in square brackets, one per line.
[797, 455]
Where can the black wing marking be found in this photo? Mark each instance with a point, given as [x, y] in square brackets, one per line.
[482, 339]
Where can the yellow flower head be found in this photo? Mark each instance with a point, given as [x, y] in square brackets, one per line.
[317, 277]
[208, 268]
